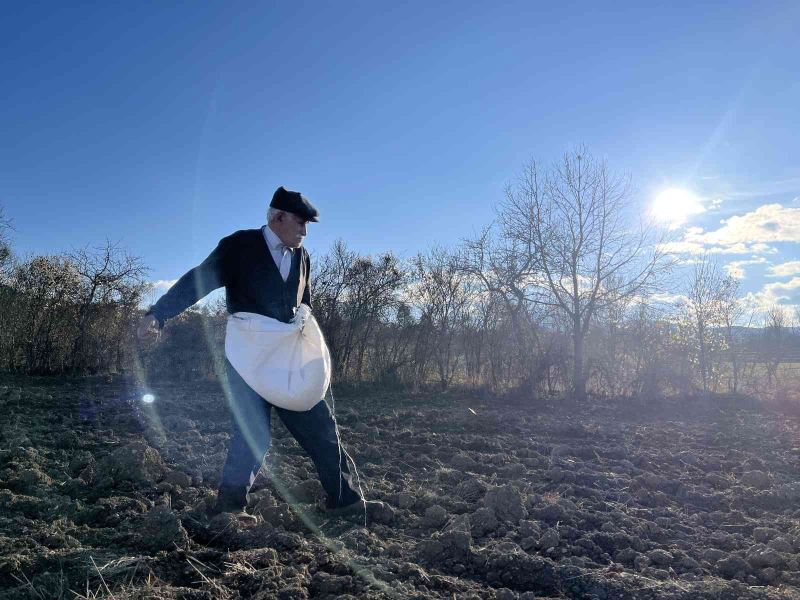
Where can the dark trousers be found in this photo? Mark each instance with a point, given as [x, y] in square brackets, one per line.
[314, 430]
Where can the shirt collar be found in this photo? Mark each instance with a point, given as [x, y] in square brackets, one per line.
[273, 241]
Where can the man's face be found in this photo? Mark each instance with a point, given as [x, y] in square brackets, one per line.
[290, 228]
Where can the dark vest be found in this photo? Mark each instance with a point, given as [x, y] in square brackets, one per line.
[254, 283]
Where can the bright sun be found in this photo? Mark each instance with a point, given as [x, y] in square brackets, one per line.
[675, 205]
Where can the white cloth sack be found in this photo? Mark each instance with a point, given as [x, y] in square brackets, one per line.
[288, 366]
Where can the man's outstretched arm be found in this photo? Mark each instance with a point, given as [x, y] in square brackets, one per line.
[193, 285]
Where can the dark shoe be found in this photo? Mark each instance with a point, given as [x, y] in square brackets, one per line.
[374, 511]
[229, 508]
[229, 499]
[224, 520]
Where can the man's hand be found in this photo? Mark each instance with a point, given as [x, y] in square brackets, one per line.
[148, 327]
[301, 316]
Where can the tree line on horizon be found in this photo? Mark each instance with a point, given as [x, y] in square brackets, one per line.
[555, 296]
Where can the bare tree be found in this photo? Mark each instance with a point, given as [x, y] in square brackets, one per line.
[441, 292]
[329, 285]
[507, 277]
[705, 319]
[731, 314]
[607, 351]
[110, 278]
[7, 312]
[775, 342]
[649, 348]
[394, 346]
[352, 295]
[5, 246]
[568, 230]
[67, 311]
[374, 284]
[45, 289]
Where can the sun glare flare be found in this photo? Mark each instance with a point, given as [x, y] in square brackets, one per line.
[148, 398]
[674, 206]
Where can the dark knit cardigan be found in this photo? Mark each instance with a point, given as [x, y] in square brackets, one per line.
[243, 263]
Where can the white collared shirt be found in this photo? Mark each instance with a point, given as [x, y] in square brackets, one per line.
[276, 246]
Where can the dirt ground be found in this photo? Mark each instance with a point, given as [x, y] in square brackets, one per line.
[102, 495]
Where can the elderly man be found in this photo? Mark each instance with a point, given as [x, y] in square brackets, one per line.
[267, 271]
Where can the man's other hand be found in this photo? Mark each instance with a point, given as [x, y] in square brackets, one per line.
[147, 328]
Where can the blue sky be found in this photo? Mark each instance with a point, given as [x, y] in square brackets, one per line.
[166, 126]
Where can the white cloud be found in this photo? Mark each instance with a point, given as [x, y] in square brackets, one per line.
[162, 285]
[784, 290]
[751, 233]
[695, 245]
[767, 224]
[736, 268]
[783, 293]
[786, 269]
[667, 298]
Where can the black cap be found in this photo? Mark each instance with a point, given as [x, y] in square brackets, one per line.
[294, 202]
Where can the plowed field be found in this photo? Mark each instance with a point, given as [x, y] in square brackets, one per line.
[102, 495]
